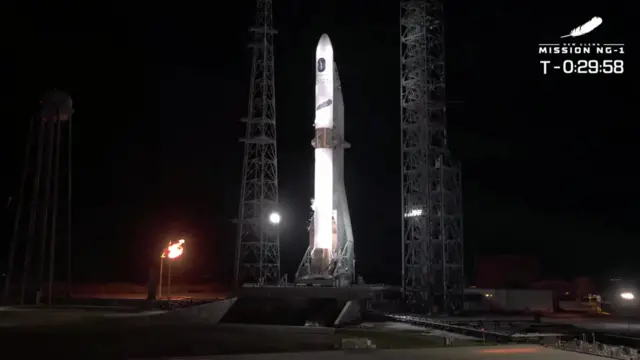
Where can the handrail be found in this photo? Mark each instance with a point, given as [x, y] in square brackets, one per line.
[466, 330]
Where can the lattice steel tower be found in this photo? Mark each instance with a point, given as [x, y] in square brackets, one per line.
[258, 243]
[432, 247]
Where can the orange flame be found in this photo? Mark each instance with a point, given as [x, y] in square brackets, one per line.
[174, 250]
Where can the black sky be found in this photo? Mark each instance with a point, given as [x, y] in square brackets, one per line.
[548, 161]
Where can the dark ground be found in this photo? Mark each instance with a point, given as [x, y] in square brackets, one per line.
[111, 339]
[120, 342]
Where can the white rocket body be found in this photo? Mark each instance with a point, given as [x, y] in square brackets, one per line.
[330, 258]
[323, 154]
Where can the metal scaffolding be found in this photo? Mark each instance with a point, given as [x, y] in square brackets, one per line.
[432, 246]
[258, 243]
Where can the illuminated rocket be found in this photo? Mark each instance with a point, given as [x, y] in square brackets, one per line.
[323, 156]
[330, 254]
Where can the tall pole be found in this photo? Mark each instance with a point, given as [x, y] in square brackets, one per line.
[258, 243]
[18, 216]
[51, 120]
[33, 211]
[160, 280]
[169, 281]
[54, 209]
[69, 177]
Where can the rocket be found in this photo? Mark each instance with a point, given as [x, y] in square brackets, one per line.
[330, 255]
[323, 157]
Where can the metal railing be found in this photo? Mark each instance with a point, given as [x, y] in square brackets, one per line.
[479, 333]
[590, 345]
[583, 343]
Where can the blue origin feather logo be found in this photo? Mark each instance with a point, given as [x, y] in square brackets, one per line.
[324, 104]
[322, 64]
[585, 28]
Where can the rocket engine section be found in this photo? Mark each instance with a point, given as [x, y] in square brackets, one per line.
[324, 258]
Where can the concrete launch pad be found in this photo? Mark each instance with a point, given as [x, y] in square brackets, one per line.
[24, 316]
[299, 306]
[460, 353]
[355, 292]
[264, 305]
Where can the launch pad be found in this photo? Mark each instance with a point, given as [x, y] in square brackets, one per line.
[325, 290]
[353, 292]
[300, 305]
[329, 260]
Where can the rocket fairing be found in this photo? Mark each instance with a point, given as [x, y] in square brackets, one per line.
[323, 155]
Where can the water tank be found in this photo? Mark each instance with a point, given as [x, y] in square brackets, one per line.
[56, 104]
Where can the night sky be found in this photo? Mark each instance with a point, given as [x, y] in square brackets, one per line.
[548, 161]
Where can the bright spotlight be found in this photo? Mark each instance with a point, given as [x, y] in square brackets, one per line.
[413, 213]
[627, 296]
[274, 218]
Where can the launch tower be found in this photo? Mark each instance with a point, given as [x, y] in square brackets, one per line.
[329, 259]
[432, 247]
[258, 242]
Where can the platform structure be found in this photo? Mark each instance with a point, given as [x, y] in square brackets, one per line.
[341, 271]
[301, 305]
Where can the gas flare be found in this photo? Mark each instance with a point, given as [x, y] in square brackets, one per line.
[174, 250]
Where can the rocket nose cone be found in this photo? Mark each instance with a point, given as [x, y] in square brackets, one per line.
[324, 45]
[324, 40]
